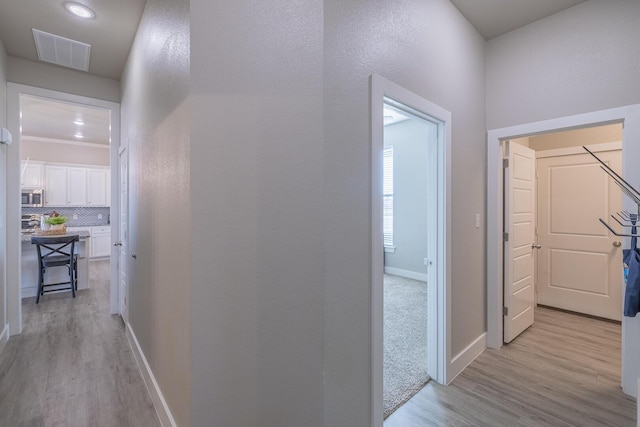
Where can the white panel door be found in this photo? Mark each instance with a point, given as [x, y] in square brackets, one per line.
[518, 249]
[580, 262]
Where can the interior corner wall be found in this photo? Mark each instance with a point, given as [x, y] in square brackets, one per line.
[427, 47]
[3, 191]
[46, 76]
[156, 129]
[583, 59]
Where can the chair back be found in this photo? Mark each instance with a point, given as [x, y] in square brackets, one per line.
[59, 247]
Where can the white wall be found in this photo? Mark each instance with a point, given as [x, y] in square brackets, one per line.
[48, 151]
[3, 192]
[257, 213]
[40, 74]
[410, 140]
[429, 48]
[156, 129]
[583, 59]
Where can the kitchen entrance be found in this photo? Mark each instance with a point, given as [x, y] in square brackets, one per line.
[63, 152]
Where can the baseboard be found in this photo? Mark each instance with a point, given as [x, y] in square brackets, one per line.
[466, 356]
[406, 273]
[4, 337]
[162, 409]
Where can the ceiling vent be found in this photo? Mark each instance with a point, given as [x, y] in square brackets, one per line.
[62, 51]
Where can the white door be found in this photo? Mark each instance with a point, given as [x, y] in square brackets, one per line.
[122, 241]
[580, 262]
[519, 222]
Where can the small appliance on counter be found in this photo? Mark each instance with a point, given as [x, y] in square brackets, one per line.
[30, 222]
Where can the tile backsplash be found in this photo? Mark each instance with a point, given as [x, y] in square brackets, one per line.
[86, 215]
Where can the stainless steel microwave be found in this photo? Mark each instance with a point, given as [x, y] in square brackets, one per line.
[32, 198]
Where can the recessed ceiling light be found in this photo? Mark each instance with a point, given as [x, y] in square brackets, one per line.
[79, 135]
[80, 10]
[79, 122]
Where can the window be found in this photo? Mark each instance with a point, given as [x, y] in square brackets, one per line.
[387, 179]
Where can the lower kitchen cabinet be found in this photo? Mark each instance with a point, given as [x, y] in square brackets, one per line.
[100, 241]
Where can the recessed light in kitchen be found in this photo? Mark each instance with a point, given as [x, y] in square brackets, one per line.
[78, 122]
[79, 135]
[80, 10]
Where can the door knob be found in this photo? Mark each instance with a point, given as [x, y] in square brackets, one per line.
[134, 255]
[534, 246]
[117, 244]
[617, 244]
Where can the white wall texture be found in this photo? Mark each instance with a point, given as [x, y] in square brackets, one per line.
[3, 191]
[156, 129]
[583, 59]
[257, 213]
[47, 151]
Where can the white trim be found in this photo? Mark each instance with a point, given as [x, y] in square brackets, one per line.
[14, 90]
[638, 405]
[159, 403]
[65, 141]
[630, 116]
[439, 302]
[406, 273]
[4, 337]
[468, 355]
[570, 151]
[390, 249]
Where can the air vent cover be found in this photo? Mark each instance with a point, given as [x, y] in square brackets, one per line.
[62, 51]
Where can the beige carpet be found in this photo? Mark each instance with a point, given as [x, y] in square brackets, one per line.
[405, 340]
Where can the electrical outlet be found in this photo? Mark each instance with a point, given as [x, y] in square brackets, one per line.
[99, 216]
[75, 216]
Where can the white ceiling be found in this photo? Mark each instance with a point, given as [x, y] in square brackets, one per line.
[55, 120]
[495, 17]
[110, 33]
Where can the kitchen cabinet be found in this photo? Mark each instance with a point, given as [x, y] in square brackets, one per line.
[100, 241]
[55, 188]
[97, 180]
[71, 230]
[76, 186]
[31, 174]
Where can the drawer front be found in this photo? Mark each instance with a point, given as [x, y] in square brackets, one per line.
[100, 229]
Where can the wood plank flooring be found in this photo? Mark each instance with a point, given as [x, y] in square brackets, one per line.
[72, 365]
[562, 371]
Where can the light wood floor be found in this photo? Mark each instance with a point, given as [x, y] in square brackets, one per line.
[72, 365]
[562, 371]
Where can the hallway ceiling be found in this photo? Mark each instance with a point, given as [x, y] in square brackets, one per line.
[110, 33]
[496, 17]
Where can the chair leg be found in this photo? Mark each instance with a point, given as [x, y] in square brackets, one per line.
[72, 281]
[40, 280]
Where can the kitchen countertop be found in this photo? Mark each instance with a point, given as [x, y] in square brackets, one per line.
[26, 237]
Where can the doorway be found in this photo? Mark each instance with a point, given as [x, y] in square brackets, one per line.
[557, 254]
[16, 95]
[630, 116]
[429, 258]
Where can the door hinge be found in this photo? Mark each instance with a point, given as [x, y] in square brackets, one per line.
[505, 163]
[505, 236]
[505, 311]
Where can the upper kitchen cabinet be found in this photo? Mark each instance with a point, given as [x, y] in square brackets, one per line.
[76, 186]
[31, 174]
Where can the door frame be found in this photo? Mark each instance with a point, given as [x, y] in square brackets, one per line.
[123, 153]
[630, 117]
[438, 325]
[14, 90]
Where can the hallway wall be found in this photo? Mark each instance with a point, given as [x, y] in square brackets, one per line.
[156, 130]
[3, 193]
[579, 60]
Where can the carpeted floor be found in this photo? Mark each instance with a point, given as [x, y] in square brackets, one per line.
[405, 340]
